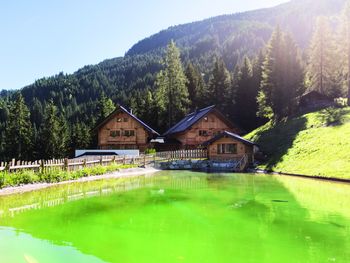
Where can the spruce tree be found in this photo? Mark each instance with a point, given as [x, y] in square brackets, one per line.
[322, 69]
[80, 136]
[172, 95]
[54, 134]
[282, 78]
[220, 87]
[293, 75]
[195, 87]
[105, 107]
[245, 104]
[18, 133]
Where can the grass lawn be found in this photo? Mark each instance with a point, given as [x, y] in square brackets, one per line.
[316, 144]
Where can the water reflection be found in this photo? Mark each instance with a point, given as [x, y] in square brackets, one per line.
[185, 216]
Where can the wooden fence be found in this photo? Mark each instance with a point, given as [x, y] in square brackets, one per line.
[183, 155]
[142, 160]
[75, 164]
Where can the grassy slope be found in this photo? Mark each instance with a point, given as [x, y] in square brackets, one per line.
[316, 144]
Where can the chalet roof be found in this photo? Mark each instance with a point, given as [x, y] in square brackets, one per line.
[121, 108]
[193, 118]
[314, 94]
[230, 135]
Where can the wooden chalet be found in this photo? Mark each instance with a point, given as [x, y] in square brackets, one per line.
[123, 130]
[197, 128]
[315, 100]
[230, 146]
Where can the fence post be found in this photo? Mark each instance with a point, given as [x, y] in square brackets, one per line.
[7, 167]
[84, 163]
[124, 160]
[144, 160]
[42, 166]
[101, 160]
[66, 166]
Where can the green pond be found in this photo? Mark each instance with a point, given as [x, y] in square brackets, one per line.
[179, 217]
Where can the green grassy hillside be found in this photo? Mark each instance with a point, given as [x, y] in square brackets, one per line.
[316, 144]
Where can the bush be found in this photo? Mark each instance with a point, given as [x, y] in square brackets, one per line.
[55, 175]
[150, 151]
[20, 178]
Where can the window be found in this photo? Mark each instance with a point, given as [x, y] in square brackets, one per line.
[114, 134]
[203, 133]
[227, 148]
[119, 119]
[206, 119]
[129, 133]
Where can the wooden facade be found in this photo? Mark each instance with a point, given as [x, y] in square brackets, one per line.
[123, 130]
[229, 146]
[314, 100]
[199, 127]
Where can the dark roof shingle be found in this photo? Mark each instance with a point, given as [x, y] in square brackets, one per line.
[189, 120]
[231, 135]
[131, 115]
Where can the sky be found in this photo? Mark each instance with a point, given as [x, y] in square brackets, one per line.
[40, 38]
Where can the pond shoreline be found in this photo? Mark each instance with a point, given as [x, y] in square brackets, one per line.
[322, 178]
[114, 175]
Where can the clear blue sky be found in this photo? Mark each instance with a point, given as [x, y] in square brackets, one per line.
[43, 37]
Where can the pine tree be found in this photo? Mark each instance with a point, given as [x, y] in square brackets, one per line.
[80, 136]
[172, 95]
[322, 67]
[246, 105]
[282, 78]
[293, 75]
[344, 42]
[105, 107]
[195, 87]
[220, 87]
[270, 81]
[18, 133]
[54, 134]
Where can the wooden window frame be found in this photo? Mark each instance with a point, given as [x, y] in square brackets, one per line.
[225, 148]
[114, 133]
[203, 133]
[129, 133]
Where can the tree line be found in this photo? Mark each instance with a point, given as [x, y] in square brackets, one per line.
[55, 115]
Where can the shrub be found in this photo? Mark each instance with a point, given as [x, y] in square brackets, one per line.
[150, 151]
[55, 175]
[20, 177]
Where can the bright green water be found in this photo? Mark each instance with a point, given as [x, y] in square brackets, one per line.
[179, 217]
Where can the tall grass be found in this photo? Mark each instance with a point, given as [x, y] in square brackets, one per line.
[54, 175]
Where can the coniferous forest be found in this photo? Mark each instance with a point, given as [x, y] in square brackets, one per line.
[254, 66]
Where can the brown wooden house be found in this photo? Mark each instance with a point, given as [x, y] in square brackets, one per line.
[123, 130]
[315, 100]
[229, 146]
[197, 128]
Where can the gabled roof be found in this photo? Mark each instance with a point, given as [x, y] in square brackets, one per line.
[193, 118]
[317, 95]
[121, 108]
[230, 135]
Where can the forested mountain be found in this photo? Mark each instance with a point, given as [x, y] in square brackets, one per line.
[228, 40]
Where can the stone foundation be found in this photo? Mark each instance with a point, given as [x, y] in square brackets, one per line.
[199, 165]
